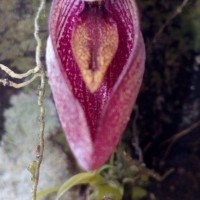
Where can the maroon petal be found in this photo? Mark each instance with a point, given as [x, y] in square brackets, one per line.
[94, 89]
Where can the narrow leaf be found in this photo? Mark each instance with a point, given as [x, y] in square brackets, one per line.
[47, 191]
[108, 191]
[81, 178]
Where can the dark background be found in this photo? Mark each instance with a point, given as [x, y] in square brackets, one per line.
[169, 99]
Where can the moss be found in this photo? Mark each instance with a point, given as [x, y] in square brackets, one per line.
[19, 143]
[21, 118]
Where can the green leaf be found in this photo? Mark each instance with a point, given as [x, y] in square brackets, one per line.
[47, 191]
[139, 193]
[91, 178]
[32, 169]
[105, 167]
[108, 191]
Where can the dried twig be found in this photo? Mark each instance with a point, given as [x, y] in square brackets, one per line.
[6, 82]
[19, 76]
[178, 10]
[179, 135]
[143, 170]
[40, 147]
[135, 139]
[37, 71]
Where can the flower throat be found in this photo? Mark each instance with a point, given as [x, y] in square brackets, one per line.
[94, 43]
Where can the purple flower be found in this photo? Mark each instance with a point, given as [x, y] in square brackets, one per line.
[95, 59]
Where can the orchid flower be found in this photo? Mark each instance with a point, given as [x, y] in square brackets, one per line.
[95, 59]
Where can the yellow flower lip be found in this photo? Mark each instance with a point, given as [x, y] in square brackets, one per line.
[94, 44]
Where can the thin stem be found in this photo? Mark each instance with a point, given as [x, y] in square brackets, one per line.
[178, 136]
[6, 82]
[18, 76]
[178, 10]
[40, 147]
[135, 139]
[38, 71]
[143, 170]
[37, 36]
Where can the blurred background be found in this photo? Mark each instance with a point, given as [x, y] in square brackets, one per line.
[166, 118]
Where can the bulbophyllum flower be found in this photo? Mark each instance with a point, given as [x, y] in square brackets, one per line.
[95, 59]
